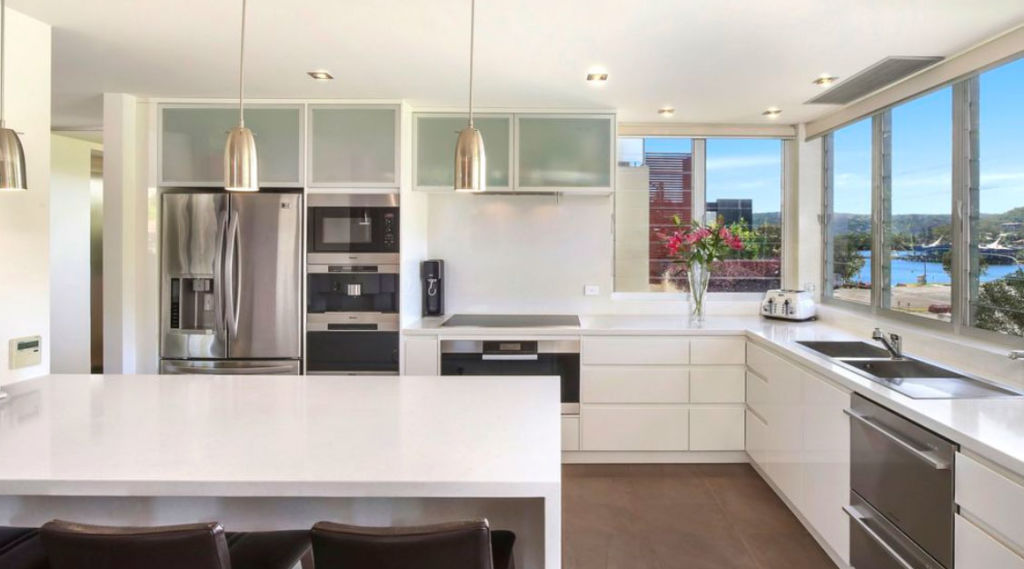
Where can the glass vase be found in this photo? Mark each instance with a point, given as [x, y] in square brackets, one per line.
[699, 275]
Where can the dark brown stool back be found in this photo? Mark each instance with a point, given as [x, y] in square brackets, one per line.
[461, 545]
[79, 546]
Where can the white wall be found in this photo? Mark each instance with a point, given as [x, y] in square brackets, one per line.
[24, 218]
[808, 240]
[70, 209]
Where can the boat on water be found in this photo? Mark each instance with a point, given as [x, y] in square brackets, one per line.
[995, 253]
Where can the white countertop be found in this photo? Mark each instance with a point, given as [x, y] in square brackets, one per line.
[178, 435]
[992, 428]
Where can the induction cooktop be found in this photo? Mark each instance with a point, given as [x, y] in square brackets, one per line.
[513, 321]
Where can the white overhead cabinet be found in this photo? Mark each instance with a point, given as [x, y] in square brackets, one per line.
[192, 139]
[354, 146]
[565, 152]
[435, 136]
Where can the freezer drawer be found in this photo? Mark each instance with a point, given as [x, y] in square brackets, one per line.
[230, 367]
[352, 352]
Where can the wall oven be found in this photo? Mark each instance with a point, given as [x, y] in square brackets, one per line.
[901, 501]
[354, 225]
[518, 357]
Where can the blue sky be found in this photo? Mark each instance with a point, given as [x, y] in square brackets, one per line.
[921, 147]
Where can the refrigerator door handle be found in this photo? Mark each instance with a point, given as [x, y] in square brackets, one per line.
[233, 268]
[185, 369]
[218, 274]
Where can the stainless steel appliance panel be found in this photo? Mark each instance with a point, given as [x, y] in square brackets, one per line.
[263, 261]
[229, 367]
[905, 472]
[877, 543]
[191, 307]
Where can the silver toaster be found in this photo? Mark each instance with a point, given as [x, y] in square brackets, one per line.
[788, 304]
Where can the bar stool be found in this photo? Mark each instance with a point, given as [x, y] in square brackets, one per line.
[466, 545]
[21, 548]
[196, 546]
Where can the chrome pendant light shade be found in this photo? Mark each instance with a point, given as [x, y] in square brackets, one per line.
[240, 162]
[12, 154]
[470, 158]
[241, 167]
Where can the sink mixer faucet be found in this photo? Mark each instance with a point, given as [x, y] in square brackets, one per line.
[892, 342]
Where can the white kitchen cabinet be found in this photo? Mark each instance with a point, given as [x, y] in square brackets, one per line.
[192, 139]
[717, 384]
[636, 350]
[975, 549]
[634, 384]
[434, 137]
[570, 433]
[992, 496]
[717, 427]
[422, 356]
[757, 436]
[718, 351]
[565, 152]
[634, 428]
[354, 146]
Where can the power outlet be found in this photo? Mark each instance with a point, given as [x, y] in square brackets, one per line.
[591, 290]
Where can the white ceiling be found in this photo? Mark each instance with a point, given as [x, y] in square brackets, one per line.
[715, 61]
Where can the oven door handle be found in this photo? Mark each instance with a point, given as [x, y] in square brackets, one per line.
[858, 519]
[931, 459]
[508, 357]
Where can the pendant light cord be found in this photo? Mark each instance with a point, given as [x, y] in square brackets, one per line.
[3, 66]
[472, 30]
[241, 70]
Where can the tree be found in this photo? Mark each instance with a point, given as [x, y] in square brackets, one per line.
[1000, 305]
[846, 258]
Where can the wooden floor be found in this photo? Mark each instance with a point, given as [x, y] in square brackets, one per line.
[693, 516]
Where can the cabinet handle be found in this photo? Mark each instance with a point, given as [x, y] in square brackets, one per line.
[858, 519]
[936, 463]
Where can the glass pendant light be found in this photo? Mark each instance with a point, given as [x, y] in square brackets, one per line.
[470, 158]
[12, 155]
[240, 165]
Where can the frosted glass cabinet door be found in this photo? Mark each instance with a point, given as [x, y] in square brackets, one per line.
[563, 151]
[435, 149]
[192, 142]
[353, 146]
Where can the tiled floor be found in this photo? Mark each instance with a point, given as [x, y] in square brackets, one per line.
[693, 516]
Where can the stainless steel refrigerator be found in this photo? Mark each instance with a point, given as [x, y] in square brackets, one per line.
[231, 283]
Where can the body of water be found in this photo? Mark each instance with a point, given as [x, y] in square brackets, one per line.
[905, 271]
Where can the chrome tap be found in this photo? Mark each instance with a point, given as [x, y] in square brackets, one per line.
[1016, 355]
[892, 342]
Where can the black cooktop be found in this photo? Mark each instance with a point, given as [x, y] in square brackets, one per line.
[514, 321]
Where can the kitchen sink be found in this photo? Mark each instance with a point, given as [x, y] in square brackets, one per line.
[922, 380]
[846, 349]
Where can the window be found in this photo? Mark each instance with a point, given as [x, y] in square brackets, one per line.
[655, 182]
[995, 279]
[850, 222]
[917, 248]
[744, 190]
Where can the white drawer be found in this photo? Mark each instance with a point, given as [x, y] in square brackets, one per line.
[764, 363]
[717, 385]
[975, 549]
[634, 384]
[757, 437]
[991, 497]
[570, 433]
[636, 350]
[634, 427]
[717, 428]
[759, 393]
[718, 351]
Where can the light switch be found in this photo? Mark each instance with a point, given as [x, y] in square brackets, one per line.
[25, 352]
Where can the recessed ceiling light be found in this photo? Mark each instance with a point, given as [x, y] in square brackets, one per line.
[666, 111]
[597, 78]
[772, 112]
[825, 80]
[320, 75]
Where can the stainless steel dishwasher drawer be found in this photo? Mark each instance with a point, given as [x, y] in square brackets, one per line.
[875, 543]
[904, 472]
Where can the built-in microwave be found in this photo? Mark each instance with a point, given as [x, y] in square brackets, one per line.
[365, 224]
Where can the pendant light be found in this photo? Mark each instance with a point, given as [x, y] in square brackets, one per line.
[240, 165]
[12, 155]
[470, 158]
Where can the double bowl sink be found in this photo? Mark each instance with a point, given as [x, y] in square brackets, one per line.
[911, 377]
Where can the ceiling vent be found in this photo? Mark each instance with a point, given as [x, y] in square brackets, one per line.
[882, 74]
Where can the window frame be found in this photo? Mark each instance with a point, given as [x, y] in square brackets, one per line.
[965, 190]
[787, 186]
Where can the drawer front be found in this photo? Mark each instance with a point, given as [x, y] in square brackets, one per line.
[636, 350]
[759, 394]
[757, 437]
[570, 433]
[634, 427]
[991, 497]
[634, 384]
[717, 428]
[975, 549]
[766, 364]
[718, 385]
[718, 351]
